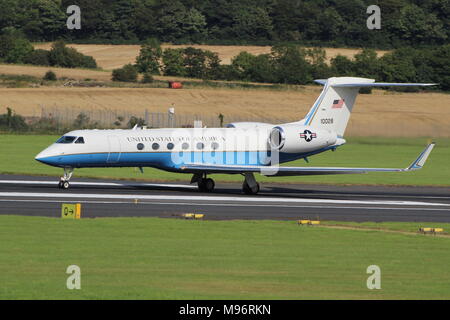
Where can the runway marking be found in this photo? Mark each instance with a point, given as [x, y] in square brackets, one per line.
[231, 205]
[178, 198]
[99, 184]
[131, 184]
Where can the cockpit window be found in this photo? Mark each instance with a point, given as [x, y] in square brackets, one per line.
[80, 140]
[66, 139]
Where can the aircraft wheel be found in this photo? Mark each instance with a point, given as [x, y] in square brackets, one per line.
[60, 185]
[65, 184]
[209, 185]
[201, 185]
[250, 191]
[206, 185]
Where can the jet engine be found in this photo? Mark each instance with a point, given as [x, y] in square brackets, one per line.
[299, 139]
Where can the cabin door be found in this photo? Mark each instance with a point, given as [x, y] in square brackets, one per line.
[114, 149]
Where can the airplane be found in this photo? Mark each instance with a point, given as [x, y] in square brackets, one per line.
[243, 148]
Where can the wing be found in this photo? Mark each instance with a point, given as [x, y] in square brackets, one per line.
[301, 171]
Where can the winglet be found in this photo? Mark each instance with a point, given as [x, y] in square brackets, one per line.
[420, 161]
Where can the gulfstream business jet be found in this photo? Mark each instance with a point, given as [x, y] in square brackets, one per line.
[242, 148]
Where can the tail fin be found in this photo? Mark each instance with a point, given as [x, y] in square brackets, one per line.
[333, 107]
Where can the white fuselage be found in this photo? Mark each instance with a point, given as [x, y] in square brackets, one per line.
[169, 149]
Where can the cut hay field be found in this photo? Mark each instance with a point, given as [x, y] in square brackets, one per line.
[115, 56]
[153, 258]
[381, 113]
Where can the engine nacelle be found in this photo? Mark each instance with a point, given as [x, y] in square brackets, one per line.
[299, 139]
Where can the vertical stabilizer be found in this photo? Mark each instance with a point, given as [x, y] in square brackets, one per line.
[332, 109]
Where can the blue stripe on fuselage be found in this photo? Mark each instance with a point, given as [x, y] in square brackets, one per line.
[169, 160]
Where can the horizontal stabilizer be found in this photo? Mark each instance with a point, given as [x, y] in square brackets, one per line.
[353, 83]
[382, 84]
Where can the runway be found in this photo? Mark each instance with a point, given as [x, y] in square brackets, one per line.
[39, 196]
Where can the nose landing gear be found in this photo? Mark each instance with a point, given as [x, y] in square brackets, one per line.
[64, 180]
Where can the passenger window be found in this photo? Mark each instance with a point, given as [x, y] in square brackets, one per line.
[185, 146]
[79, 140]
[214, 146]
[140, 146]
[170, 146]
[155, 146]
[66, 139]
[200, 146]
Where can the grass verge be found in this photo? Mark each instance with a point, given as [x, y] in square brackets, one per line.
[153, 258]
[18, 152]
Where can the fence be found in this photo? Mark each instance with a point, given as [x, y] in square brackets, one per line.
[65, 117]
[111, 118]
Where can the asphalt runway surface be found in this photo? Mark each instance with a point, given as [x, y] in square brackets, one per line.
[39, 196]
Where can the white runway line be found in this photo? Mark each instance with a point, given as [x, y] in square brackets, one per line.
[98, 184]
[143, 184]
[178, 198]
[277, 205]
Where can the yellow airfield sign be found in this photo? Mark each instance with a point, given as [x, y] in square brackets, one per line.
[71, 211]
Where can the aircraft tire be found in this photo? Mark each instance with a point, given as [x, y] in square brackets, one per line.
[209, 185]
[201, 185]
[248, 190]
[65, 185]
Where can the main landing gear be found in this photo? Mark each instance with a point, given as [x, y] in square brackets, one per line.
[204, 184]
[64, 180]
[250, 186]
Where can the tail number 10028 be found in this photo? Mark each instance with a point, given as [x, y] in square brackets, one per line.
[326, 121]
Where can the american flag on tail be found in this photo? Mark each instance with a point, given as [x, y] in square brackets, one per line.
[337, 104]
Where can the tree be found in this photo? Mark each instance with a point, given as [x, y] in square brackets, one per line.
[252, 22]
[291, 65]
[202, 64]
[50, 76]
[20, 49]
[12, 121]
[62, 56]
[193, 24]
[417, 26]
[149, 57]
[173, 62]
[317, 58]
[38, 57]
[147, 78]
[263, 69]
[243, 63]
[398, 66]
[6, 44]
[342, 66]
[366, 64]
[127, 73]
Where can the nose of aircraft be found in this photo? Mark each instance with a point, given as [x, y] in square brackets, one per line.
[45, 156]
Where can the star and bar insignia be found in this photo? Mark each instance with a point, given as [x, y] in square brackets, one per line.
[308, 135]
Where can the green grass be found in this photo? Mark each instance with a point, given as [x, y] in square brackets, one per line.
[392, 226]
[153, 258]
[18, 152]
